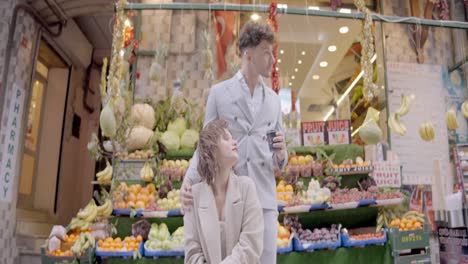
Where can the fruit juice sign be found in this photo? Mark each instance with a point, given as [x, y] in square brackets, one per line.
[387, 174]
[313, 133]
[339, 132]
[8, 166]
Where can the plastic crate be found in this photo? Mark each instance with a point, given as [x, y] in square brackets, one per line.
[287, 249]
[163, 253]
[174, 213]
[297, 244]
[346, 241]
[126, 212]
[367, 202]
[88, 258]
[404, 240]
[127, 170]
[317, 207]
[121, 254]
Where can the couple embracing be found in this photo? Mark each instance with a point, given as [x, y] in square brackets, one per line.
[228, 193]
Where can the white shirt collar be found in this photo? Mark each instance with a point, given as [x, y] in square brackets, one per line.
[245, 87]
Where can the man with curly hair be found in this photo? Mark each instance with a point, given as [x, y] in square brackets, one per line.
[251, 109]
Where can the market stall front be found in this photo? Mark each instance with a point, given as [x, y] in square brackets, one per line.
[343, 196]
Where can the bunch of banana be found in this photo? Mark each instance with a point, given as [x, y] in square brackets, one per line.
[105, 209]
[85, 241]
[415, 215]
[464, 109]
[146, 173]
[396, 126]
[452, 122]
[405, 104]
[427, 131]
[105, 176]
[394, 121]
[77, 223]
[89, 213]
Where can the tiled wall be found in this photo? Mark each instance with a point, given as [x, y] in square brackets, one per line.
[182, 31]
[400, 47]
[19, 73]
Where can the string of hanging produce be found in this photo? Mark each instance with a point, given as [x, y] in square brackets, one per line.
[368, 51]
[273, 12]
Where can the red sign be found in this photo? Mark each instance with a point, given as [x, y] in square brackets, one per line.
[313, 133]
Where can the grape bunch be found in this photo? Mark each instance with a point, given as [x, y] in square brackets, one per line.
[292, 222]
[323, 235]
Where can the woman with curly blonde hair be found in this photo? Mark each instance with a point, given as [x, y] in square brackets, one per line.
[226, 222]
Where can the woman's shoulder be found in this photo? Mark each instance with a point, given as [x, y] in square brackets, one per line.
[197, 187]
[245, 182]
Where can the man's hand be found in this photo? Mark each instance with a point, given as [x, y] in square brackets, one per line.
[280, 146]
[186, 196]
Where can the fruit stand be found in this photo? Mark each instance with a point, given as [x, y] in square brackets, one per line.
[331, 209]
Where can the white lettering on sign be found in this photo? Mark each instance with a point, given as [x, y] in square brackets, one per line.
[8, 168]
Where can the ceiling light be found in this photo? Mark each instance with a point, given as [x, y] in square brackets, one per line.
[314, 8]
[281, 51]
[127, 22]
[293, 77]
[356, 80]
[299, 61]
[323, 64]
[332, 48]
[303, 53]
[345, 10]
[296, 69]
[122, 53]
[277, 69]
[279, 60]
[255, 17]
[290, 84]
[316, 77]
[329, 113]
[344, 30]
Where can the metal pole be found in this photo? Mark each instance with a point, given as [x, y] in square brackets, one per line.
[298, 11]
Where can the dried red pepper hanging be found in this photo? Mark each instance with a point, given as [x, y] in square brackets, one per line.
[273, 11]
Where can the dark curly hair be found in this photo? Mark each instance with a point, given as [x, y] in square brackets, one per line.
[253, 33]
[207, 145]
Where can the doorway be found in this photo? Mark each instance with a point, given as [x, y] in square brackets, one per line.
[44, 125]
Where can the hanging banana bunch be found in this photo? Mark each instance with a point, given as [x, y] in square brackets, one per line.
[394, 122]
[464, 109]
[451, 117]
[427, 131]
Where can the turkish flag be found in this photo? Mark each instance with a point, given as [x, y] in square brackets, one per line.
[224, 23]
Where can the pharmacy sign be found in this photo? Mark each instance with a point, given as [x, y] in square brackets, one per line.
[8, 168]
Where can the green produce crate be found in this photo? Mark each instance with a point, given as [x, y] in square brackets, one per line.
[404, 240]
[88, 258]
[413, 259]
